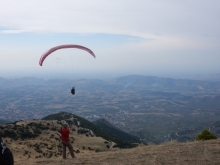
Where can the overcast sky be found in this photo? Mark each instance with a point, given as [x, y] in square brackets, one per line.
[148, 37]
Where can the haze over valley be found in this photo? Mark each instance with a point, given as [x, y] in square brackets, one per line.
[156, 109]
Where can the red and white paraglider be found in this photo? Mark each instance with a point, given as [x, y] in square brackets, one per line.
[47, 53]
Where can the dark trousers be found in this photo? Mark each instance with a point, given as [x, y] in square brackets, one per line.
[6, 158]
[67, 144]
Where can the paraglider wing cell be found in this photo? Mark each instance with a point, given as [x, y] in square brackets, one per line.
[44, 56]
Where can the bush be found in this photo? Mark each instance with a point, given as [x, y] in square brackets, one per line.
[97, 150]
[205, 135]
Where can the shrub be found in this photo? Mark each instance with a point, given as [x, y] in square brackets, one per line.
[97, 150]
[205, 135]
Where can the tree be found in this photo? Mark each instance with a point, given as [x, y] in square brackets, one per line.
[205, 135]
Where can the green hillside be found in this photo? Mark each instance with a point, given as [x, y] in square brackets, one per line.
[4, 121]
[121, 141]
[105, 125]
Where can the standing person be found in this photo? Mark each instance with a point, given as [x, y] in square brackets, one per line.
[6, 157]
[66, 141]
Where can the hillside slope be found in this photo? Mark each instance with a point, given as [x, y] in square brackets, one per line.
[97, 129]
[105, 125]
[172, 153]
[40, 138]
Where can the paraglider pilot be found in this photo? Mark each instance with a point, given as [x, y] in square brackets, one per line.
[73, 90]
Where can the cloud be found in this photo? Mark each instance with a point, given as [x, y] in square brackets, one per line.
[121, 28]
[116, 16]
[178, 21]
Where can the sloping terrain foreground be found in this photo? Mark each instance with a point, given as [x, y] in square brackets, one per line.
[193, 153]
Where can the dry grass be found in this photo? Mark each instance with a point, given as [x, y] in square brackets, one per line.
[193, 153]
[169, 153]
[48, 143]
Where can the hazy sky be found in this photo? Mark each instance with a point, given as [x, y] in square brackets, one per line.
[150, 37]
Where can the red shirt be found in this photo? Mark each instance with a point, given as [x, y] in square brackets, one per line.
[65, 134]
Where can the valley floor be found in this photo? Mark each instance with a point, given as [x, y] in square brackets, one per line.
[172, 153]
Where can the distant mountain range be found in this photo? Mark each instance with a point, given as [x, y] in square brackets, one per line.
[160, 83]
[132, 82]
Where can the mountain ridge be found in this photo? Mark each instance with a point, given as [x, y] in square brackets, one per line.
[97, 130]
[123, 80]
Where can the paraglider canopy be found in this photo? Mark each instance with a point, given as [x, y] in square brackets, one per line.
[47, 53]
